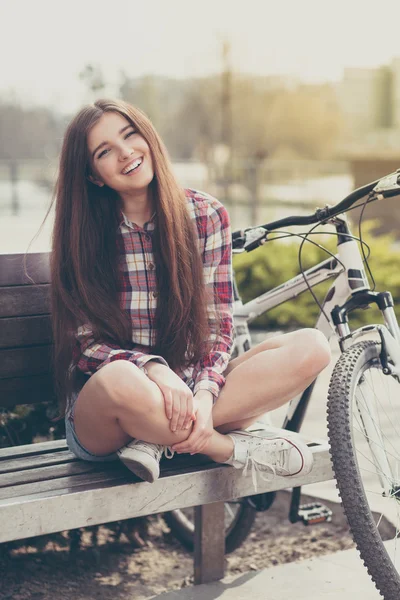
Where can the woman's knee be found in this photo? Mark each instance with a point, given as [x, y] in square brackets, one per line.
[127, 387]
[312, 352]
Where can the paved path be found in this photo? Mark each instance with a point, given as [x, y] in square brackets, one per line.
[332, 577]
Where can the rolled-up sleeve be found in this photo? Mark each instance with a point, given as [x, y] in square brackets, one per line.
[91, 355]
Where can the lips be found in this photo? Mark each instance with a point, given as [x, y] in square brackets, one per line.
[133, 166]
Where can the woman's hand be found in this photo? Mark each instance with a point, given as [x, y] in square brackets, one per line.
[203, 427]
[178, 397]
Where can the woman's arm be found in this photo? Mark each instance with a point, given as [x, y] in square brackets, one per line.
[91, 355]
[178, 398]
[217, 266]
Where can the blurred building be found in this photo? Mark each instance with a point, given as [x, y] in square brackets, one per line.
[365, 99]
[395, 92]
[370, 103]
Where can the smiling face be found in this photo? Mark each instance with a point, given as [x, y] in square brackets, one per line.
[120, 157]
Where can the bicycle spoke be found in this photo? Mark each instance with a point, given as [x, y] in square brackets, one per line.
[384, 410]
[376, 424]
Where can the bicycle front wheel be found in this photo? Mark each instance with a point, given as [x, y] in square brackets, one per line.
[364, 435]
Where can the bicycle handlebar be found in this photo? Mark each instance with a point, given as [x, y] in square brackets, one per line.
[386, 186]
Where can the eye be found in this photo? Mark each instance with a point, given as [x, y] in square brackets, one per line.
[102, 153]
[130, 133]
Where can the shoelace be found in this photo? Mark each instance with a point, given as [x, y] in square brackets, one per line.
[154, 449]
[148, 447]
[171, 452]
[256, 462]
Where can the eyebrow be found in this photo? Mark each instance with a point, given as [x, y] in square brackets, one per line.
[106, 143]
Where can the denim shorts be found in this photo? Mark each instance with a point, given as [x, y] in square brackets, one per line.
[75, 445]
[80, 451]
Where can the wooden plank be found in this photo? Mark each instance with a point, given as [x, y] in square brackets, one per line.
[24, 300]
[29, 449]
[87, 473]
[25, 331]
[36, 461]
[209, 542]
[12, 268]
[39, 467]
[67, 485]
[49, 512]
[21, 362]
[26, 390]
[50, 472]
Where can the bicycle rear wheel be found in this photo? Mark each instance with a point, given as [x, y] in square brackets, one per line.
[364, 435]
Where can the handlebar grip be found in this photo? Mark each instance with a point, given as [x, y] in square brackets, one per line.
[238, 239]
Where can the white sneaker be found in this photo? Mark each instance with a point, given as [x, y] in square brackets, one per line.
[143, 458]
[285, 455]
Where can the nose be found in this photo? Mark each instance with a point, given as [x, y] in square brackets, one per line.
[125, 151]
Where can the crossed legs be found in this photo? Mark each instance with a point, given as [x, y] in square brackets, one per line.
[119, 402]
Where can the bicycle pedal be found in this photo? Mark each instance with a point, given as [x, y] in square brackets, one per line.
[314, 513]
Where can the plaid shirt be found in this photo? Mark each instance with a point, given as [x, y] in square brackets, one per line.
[138, 294]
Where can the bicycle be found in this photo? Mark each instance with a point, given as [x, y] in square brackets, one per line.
[364, 444]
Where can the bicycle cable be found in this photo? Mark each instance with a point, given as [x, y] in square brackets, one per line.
[365, 258]
[288, 234]
[305, 237]
[370, 198]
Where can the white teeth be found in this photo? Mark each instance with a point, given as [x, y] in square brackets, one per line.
[132, 166]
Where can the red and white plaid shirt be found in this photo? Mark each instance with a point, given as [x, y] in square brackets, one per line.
[138, 294]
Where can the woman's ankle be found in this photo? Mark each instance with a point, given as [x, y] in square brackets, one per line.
[220, 448]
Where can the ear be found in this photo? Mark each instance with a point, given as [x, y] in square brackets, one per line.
[95, 181]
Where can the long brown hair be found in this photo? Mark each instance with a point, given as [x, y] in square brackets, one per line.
[84, 259]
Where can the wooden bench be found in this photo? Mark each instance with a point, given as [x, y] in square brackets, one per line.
[44, 488]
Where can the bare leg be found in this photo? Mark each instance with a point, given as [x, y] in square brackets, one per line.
[269, 375]
[119, 403]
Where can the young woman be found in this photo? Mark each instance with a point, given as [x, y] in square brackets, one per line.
[142, 312]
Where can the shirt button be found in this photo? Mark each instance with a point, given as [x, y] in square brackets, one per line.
[151, 266]
[147, 237]
[154, 294]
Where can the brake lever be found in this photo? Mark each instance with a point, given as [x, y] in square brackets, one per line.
[254, 238]
[389, 185]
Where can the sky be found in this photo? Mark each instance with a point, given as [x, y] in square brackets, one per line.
[45, 44]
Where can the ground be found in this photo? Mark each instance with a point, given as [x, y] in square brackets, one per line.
[113, 571]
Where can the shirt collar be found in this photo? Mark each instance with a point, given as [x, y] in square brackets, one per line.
[148, 225]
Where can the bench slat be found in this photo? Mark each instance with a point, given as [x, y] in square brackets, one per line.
[23, 464]
[25, 361]
[26, 390]
[25, 331]
[36, 461]
[59, 510]
[12, 268]
[29, 449]
[81, 473]
[25, 300]
[50, 472]
[64, 485]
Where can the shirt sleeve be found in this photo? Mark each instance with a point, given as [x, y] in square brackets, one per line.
[91, 355]
[217, 267]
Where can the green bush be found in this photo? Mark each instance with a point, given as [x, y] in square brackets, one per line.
[276, 262]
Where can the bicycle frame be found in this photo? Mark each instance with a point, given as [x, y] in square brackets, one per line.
[349, 290]
[350, 283]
